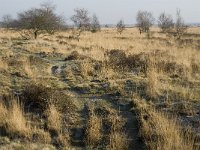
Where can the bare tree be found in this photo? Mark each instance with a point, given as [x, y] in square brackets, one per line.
[120, 26]
[95, 24]
[144, 20]
[180, 26]
[48, 6]
[165, 22]
[38, 21]
[82, 22]
[81, 19]
[6, 21]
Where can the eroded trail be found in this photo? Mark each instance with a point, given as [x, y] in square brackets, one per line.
[96, 93]
[131, 128]
[125, 111]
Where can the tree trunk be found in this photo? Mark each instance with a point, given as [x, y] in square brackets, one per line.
[140, 31]
[35, 34]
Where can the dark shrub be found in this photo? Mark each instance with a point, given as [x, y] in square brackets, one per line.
[73, 56]
[37, 98]
[76, 56]
[135, 62]
[117, 58]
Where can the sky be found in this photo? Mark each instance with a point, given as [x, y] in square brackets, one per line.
[110, 11]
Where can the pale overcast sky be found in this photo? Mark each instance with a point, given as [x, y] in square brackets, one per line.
[111, 11]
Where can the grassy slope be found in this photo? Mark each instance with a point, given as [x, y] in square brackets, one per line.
[170, 80]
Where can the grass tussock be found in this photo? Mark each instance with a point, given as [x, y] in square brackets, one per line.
[116, 121]
[3, 114]
[152, 85]
[60, 135]
[93, 129]
[117, 137]
[118, 141]
[17, 122]
[13, 119]
[41, 136]
[159, 131]
[3, 65]
[54, 119]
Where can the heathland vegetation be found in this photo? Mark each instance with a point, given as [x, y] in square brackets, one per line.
[92, 87]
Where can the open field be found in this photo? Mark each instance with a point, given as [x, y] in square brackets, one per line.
[105, 91]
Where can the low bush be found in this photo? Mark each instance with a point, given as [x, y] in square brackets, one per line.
[135, 62]
[37, 98]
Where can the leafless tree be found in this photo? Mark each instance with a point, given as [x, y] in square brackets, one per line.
[95, 24]
[120, 26]
[144, 20]
[180, 26]
[48, 6]
[81, 19]
[6, 21]
[165, 22]
[38, 21]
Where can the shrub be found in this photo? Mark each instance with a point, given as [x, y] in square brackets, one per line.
[117, 58]
[38, 21]
[180, 26]
[135, 62]
[95, 25]
[144, 20]
[165, 22]
[81, 19]
[37, 98]
[120, 26]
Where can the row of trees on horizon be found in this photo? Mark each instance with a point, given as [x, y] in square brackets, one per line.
[44, 20]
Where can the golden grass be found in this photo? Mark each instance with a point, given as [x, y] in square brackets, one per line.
[118, 141]
[117, 138]
[87, 69]
[55, 124]
[3, 65]
[3, 114]
[54, 119]
[159, 131]
[152, 76]
[41, 136]
[172, 66]
[13, 119]
[16, 122]
[117, 122]
[93, 130]
[27, 68]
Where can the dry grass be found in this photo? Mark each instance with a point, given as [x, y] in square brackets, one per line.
[87, 69]
[28, 70]
[117, 138]
[54, 119]
[163, 67]
[41, 136]
[3, 65]
[93, 130]
[152, 85]
[13, 120]
[117, 122]
[16, 119]
[159, 131]
[3, 114]
[118, 141]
